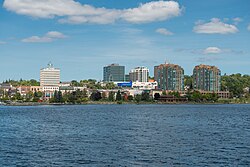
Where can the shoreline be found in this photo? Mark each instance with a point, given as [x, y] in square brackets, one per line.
[113, 103]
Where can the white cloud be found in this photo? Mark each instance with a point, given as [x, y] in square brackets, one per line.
[2, 42]
[152, 11]
[106, 18]
[248, 27]
[215, 26]
[217, 50]
[237, 20]
[50, 8]
[73, 12]
[164, 31]
[49, 37]
[37, 39]
[55, 34]
[212, 50]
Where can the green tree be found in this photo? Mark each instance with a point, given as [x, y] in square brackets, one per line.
[164, 92]
[29, 96]
[145, 96]
[109, 85]
[75, 83]
[111, 96]
[235, 83]
[118, 96]
[130, 98]
[18, 96]
[137, 98]
[60, 97]
[196, 96]
[96, 96]
[157, 96]
[84, 93]
[175, 94]
[188, 81]
[35, 97]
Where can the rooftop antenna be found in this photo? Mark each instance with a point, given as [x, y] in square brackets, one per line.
[50, 65]
[167, 62]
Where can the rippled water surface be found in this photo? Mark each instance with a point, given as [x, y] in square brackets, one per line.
[125, 135]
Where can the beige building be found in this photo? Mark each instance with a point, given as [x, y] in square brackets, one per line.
[23, 90]
[36, 89]
[139, 74]
[49, 76]
[49, 80]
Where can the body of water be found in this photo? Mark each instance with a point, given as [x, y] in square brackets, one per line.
[125, 135]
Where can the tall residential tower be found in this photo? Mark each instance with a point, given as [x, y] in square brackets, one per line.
[139, 74]
[169, 77]
[207, 78]
[49, 80]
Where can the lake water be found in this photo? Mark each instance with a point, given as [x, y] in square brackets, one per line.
[125, 135]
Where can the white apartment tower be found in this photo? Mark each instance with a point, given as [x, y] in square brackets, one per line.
[49, 79]
[139, 74]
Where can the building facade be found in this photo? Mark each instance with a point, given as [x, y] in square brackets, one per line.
[144, 85]
[49, 76]
[127, 78]
[206, 78]
[114, 73]
[49, 80]
[139, 74]
[169, 77]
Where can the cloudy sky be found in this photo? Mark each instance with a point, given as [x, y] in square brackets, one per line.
[82, 36]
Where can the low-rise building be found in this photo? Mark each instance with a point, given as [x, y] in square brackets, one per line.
[49, 91]
[63, 84]
[7, 90]
[220, 94]
[66, 89]
[70, 89]
[144, 85]
[23, 90]
[36, 89]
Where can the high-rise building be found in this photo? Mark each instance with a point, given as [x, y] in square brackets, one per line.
[139, 74]
[206, 78]
[49, 80]
[169, 77]
[114, 73]
[49, 76]
[127, 78]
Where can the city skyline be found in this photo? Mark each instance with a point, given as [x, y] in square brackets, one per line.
[83, 35]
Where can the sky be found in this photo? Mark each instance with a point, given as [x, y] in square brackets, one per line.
[82, 36]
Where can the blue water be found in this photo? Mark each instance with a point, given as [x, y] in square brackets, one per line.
[125, 135]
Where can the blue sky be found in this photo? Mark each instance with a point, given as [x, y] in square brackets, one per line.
[81, 37]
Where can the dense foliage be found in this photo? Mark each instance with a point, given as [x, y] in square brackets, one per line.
[22, 82]
[235, 83]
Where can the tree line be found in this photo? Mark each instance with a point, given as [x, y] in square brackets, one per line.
[78, 97]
